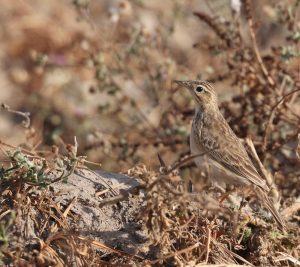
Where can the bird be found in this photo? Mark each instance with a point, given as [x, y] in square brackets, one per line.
[212, 136]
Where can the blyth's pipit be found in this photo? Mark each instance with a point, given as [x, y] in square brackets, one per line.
[211, 134]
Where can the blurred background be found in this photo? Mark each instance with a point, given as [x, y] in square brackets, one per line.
[101, 70]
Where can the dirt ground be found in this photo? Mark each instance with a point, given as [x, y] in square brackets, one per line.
[114, 225]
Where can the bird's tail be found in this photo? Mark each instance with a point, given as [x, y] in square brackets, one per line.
[270, 206]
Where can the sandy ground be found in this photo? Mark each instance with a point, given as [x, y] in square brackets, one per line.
[114, 225]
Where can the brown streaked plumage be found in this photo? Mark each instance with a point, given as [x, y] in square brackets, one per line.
[211, 134]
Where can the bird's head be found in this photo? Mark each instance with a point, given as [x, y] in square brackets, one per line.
[202, 91]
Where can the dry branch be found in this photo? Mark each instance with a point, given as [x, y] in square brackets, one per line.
[266, 175]
[270, 80]
[272, 115]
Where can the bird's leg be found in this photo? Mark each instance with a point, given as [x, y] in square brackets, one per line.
[243, 203]
[190, 186]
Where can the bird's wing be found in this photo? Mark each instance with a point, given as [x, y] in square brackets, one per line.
[266, 201]
[224, 147]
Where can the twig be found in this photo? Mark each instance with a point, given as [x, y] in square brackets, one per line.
[25, 115]
[208, 241]
[214, 26]
[289, 211]
[64, 214]
[170, 189]
[271, 118]
[298, 147]
[161, 161]
[67, 235]
[99, 177]
[225, 249]
[284, 256]
[154, 143]
[221, 265]
[270, 80]
[266, 175]
[93, 163]
[5, 213]
[124, 194]
[176, 253]
[168, 170]
[20, 148]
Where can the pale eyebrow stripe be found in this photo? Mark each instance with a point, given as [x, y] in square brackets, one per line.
[208, 85]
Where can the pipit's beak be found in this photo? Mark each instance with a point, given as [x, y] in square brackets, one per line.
[185, 84]
[181, 83]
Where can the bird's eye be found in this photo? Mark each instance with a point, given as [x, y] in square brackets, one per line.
[199, 89]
